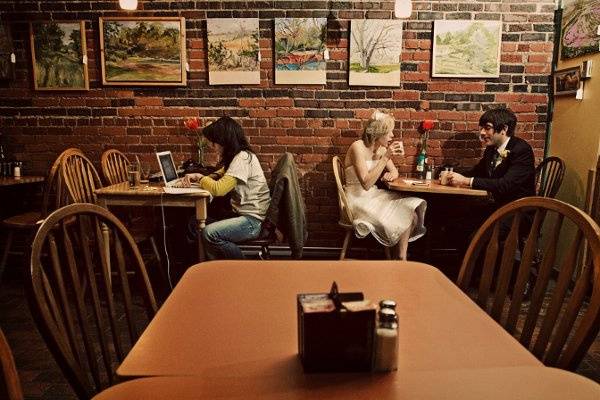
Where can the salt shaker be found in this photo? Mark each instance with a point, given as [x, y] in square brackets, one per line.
[17, 169]
[386, 341]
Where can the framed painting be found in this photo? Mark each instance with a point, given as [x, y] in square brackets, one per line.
[233, 51]
[7, 56]
[375, 47]
[143, 51]
[300, 46]
[58, 53]
[466, 49]
[567, 81]
[579, 24]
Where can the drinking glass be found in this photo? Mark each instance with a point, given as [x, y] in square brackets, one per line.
[145, 175]
[133, 175]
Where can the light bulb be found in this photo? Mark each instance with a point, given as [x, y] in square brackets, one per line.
[128, 4]
[403, 8]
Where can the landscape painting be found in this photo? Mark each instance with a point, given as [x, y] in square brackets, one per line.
[233, 51]
[300, 45]
[466, 49]
[375, 47]
[143, 51]
[580, 21]
[58, 50]
[7, 69]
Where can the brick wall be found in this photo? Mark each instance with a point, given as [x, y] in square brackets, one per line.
[313, 122]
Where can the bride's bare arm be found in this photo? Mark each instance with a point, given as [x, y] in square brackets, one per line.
[392, 172]
[358, 159]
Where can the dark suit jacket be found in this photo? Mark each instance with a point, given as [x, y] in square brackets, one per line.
[513, 178]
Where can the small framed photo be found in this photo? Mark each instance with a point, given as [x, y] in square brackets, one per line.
[143, 51]
[567, 81]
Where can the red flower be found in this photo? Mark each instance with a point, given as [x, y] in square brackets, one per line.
[427, 124]
[192, 123]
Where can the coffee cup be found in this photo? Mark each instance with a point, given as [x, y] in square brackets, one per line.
[444, 175]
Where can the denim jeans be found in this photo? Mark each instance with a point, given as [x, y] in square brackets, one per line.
[220, 237]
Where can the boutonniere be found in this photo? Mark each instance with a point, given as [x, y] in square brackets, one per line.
[504, 153]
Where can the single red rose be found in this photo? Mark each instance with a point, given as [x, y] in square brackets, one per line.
[428, 124]
[192, 123]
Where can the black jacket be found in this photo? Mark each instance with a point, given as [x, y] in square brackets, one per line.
[513, 178]
[286, 210]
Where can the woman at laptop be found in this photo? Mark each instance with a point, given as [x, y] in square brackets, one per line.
[240, 174]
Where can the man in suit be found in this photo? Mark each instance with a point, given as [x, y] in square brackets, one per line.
[507, 168]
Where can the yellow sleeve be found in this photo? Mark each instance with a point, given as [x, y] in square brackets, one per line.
[218, 187]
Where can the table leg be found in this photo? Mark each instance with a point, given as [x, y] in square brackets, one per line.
[201, 223]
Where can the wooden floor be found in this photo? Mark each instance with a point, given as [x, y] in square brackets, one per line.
[40, 376]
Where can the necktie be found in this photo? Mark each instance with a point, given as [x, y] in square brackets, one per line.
[494, 162]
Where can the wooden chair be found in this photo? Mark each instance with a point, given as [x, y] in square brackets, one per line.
[10, 385]
[346, 217]
[54, 196]
[549, 175]
[81, 295]
[559, 323]
[114, 166]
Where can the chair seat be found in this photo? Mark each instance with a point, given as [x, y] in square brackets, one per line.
[26, 220]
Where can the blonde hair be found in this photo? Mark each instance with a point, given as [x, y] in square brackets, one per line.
[379, 125]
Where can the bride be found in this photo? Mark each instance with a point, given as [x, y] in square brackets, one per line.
[392, 219]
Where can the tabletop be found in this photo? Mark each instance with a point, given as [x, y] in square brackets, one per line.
[10, 181]
[238, 319]
[531, 383]
[433, 186]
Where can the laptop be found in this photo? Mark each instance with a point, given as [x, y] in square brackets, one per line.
[169, 175]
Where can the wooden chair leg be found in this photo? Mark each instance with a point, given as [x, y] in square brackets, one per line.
[346, 244]
[155, 250]
[9, 240]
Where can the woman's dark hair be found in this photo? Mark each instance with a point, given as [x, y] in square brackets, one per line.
[230, 135]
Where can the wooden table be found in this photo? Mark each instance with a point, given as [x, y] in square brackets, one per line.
[531, 383]
[237, 320]
[434, 186]
[154, 196]
[10, 181]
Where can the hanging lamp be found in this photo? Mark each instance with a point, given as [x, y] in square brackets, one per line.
[403, 8]
[128, 4]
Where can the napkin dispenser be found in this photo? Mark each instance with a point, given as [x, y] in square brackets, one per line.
[335, 331]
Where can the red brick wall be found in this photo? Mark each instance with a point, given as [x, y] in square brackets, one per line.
[313, 122]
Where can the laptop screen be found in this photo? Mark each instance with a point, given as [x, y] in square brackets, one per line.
[167, 166]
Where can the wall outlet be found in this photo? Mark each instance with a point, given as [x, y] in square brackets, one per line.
[586, 71]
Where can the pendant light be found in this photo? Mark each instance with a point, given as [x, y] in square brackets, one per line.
[128, 4]
[403, 8]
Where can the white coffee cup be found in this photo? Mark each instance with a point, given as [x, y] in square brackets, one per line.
[399, 148]
[444, 177]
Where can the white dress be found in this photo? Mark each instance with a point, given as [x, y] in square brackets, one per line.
[383, 213]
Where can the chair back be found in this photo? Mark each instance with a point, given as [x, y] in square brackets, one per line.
[559, 323]
[55, 195]
[80, 177]
[595, 203]
[346, 217]
[81, 295]
[114, 166]
[549, 175]
[10, 385]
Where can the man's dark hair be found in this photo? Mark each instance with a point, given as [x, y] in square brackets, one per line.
[499, 118]
[230, 135]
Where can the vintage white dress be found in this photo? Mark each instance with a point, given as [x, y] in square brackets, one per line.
[383, 213]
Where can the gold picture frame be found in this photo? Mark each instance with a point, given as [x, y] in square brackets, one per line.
[58, 54]
[156, 58]
[567, 81]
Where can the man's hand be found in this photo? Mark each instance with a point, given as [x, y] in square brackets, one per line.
[390, 176]
[187, 180]
[456, 179]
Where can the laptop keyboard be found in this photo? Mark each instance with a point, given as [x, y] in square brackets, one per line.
[176, 190]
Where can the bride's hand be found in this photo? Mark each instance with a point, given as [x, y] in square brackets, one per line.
[389, 176]
[395, 149]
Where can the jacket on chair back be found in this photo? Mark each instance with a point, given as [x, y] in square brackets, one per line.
[286, 210]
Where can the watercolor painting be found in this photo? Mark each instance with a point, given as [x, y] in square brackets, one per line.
[300, 44]
[233, 53]
[7, 66]
[580, 21]
[466, 49]
[143, 51]
[375, 47]
[567, 81]
[58, 50]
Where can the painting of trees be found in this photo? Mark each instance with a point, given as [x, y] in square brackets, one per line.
[580, 21]
[375, 46]
[300, 44]
[143, 51]
[467, 49]
[58, 50]
[233, 51]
